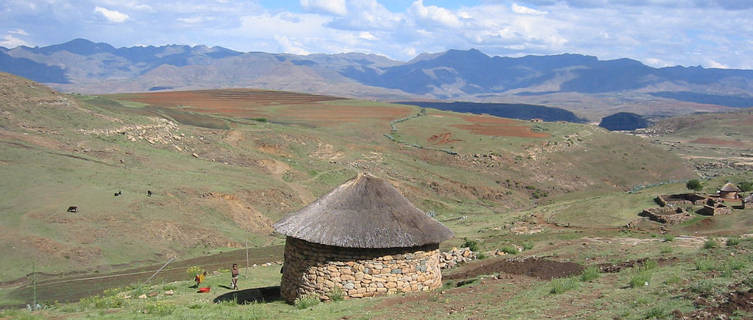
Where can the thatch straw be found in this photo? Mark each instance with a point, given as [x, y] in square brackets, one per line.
[365, 212]
[730, 187]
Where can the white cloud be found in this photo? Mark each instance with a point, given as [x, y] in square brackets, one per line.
[111, 15]
[336, 7]
[365, 35]
[434, 14]
[19, 32]
[191, 20]
[713, 64]
[290, 46]
[526, 10]
[9, 41]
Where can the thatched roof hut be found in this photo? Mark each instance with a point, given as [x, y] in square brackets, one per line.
[729, 191]
[363, 237]
[365, 212]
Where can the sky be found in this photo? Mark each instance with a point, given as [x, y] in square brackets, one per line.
[710, 33]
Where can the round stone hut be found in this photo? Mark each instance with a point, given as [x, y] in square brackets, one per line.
[361, 239]
[729, 191]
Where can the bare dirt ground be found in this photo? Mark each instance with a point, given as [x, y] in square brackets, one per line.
[532, 267]
[442, 138]
[501, 127]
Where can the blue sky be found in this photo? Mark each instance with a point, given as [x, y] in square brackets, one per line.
[711, 33]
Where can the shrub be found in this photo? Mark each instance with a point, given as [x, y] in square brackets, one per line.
[193, 271]
[509, 249]
[705, 265]
[336, 294]
[168, 287]
[731, 242]
[669, 238]
[159, 308]
[706, 287]
[640, 279]
[562, 285]
[745, 186]
[710, 244]
[736, 264]
[694, 185]
[590, 273]
[481, 256]
[527, 245]
[648, 265]
[307, 301]
[657, 312]
[470, 244]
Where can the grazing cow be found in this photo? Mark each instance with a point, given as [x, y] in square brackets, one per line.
[73, 209]
[118, 193]
[148, 193]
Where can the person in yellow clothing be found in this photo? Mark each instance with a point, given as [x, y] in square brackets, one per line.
[200, 278]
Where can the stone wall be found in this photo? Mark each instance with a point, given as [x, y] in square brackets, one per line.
[682, 199]
[666, 215]
[311, 268]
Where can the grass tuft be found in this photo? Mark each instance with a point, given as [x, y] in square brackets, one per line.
[336, 294]
[562, 285]
[590, 273]
[710, 244]
[307, 301]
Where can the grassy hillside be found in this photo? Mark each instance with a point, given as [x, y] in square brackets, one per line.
[223, 165]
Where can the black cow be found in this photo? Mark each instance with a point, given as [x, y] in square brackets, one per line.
[118, 193]
[73, 209]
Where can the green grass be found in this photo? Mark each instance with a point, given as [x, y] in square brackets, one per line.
[563, 285]
[589, 274]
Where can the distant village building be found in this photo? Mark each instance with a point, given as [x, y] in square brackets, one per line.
[729, 191]
[748, 200]
[363, 238]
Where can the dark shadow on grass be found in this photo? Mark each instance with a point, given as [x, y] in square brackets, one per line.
[265, 294]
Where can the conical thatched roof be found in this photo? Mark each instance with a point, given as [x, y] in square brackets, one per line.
[365, 212]
[730, 187]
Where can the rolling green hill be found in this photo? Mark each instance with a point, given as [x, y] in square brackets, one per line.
[224, 164]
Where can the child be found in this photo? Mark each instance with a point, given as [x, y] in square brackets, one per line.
[200, 278]
[234, 273]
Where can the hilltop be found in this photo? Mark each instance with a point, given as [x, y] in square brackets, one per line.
[590, 87]
[224, 164]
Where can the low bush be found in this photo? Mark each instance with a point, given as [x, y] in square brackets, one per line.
[527, 245]
[562, 285]
[705, 265]
[731, 242]
[590, 273]
[657, 312]
[706, 287]
[640, 279]
[669, 238]
[710, 244]
[307, 301]
[509, 249]
[336, 294]
[470, 244]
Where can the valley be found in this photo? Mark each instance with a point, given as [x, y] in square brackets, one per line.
[222, 165]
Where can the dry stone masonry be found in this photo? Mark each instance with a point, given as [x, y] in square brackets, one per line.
[317, 269]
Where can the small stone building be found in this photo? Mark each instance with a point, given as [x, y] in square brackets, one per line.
[729, 191]
[363, 238]
[748, 201]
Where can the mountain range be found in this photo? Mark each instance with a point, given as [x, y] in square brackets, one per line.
[590, 87]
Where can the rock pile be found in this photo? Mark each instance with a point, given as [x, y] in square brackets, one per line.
[455, 257]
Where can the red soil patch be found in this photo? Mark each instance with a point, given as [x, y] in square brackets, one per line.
[718, 142]
[442, 138]
[233, 102]
[532, 267]
[247, 103]
[494, 126]
[332, 115]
